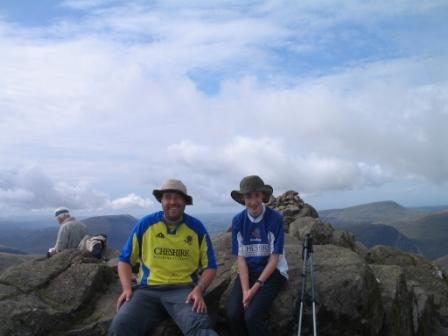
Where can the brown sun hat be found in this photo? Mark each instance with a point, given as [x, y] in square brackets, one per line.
[173, 185]
[250, 184]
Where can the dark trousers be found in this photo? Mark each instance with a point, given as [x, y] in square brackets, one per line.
[148, 307]
[252, 320]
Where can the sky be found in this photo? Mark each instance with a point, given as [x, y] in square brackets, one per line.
[345, 102]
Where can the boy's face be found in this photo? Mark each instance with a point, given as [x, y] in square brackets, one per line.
[254, 202]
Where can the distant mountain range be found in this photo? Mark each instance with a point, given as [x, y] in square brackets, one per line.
[14, 238]
[8, 259]
[381, 234]
[371, 213]
[117, 228]
[430, 233]
[419, 230]
[389, 223]
[38, 241]
[5, 249]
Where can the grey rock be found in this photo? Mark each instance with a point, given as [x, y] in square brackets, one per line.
[429, 292]
[308, 211]
[442, 264]
[396, 300]
[321, 232]
[347, 293]
[42, 269]
[8, 259]
[386, 255]
[45, 296]
[361, 249]
[344, 239]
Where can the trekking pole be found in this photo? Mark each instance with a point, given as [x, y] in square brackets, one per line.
[310, 251]
[303, 275]
[307, 256]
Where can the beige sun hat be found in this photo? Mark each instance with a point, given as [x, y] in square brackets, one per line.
[250, 184]
[173, 185]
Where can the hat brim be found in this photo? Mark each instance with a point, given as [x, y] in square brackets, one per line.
[159, 193]
[238, 196]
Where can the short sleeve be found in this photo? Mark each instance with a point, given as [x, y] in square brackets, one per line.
[279, 234]
[208, 259]
[131, 249]
[235, 230]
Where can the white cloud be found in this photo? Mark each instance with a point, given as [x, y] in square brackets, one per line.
[271, 160]
[112, 102]
[383, 113]
[84, 4]
[15, 196]
[130, 201]
[30, 189]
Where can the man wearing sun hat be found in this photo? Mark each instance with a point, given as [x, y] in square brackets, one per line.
[70, 233]
[171, 248]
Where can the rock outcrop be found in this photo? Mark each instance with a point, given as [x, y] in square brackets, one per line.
[46, 296]
[380, 291]
[9, 259]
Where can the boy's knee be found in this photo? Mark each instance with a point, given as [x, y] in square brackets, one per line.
[233, 315]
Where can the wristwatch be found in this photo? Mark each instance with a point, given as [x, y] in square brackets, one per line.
[260, 282]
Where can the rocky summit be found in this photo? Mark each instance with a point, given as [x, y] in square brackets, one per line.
[359, 291]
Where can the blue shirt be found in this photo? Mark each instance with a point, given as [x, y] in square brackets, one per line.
[257, 241]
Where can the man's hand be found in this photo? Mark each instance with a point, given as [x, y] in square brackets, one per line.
[124, 296]
[199, 305]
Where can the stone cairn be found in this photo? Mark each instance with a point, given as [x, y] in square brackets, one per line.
[291, 206]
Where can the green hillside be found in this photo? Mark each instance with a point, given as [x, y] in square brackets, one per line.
[430, 233]
[370, 213]
[427, 230]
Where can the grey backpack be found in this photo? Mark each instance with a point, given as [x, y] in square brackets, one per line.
[93, 245]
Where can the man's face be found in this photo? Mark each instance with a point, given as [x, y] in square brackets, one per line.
[173, 205]
[254, 202]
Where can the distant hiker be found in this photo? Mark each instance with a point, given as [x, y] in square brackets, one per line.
[70, 233]
[257, 241]
[171, 248]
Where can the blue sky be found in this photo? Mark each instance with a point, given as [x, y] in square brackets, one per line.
[100, 101]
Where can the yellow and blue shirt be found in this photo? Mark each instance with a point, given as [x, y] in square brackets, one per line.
[168, 258]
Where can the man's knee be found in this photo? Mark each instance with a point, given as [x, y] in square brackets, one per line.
[128, 321]
[200, 326]
[122, 325]
[202, 332]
